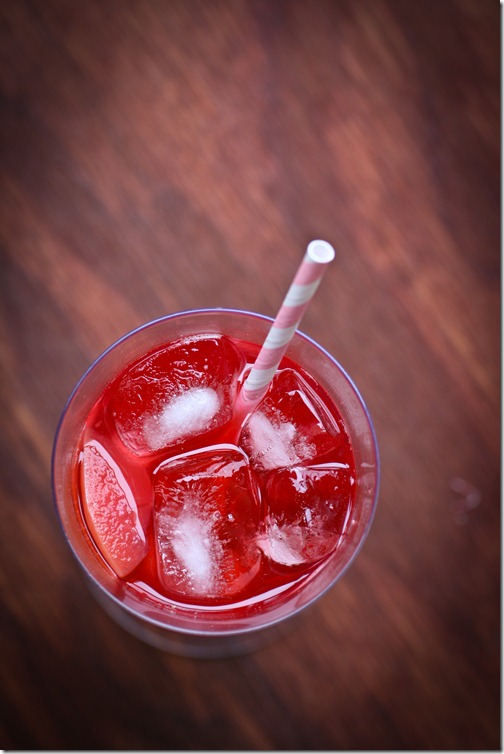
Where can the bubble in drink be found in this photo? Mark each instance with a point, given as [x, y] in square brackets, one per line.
[307, 511]
[176, 393]
[206, 516]
[111, 510]
[289, 426]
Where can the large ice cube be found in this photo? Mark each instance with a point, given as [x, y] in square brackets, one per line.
[308, 509]
[182, 391]
[206, 517]
[290, 425]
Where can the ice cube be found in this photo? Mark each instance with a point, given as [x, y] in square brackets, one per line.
[307, 512]
[290, 426]
[206, 517]
[177, 393]
[111, 510]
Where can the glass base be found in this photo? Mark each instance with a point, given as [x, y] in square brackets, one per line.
[198, 646]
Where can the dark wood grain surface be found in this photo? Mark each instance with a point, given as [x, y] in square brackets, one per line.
[160, 155]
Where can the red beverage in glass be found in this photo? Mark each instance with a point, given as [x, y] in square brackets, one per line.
[198, 527]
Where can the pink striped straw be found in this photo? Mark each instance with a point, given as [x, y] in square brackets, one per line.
[305, 283]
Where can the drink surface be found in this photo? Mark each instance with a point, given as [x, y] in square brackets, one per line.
[187, 503]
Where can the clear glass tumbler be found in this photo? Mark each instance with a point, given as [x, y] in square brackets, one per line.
[216, 631]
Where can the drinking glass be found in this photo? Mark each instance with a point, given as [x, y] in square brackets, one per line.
[223, 630]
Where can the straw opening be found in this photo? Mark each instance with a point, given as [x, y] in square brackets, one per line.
[320, 252]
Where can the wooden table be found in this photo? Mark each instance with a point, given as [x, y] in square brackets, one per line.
[160, 155]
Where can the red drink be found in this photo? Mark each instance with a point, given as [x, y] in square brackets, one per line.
[191, 517]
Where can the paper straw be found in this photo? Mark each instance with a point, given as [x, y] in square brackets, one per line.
[305, 283]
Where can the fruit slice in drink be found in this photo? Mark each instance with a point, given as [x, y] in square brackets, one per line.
[111, 511]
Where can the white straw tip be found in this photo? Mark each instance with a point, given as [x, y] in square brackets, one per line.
[320, 252]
